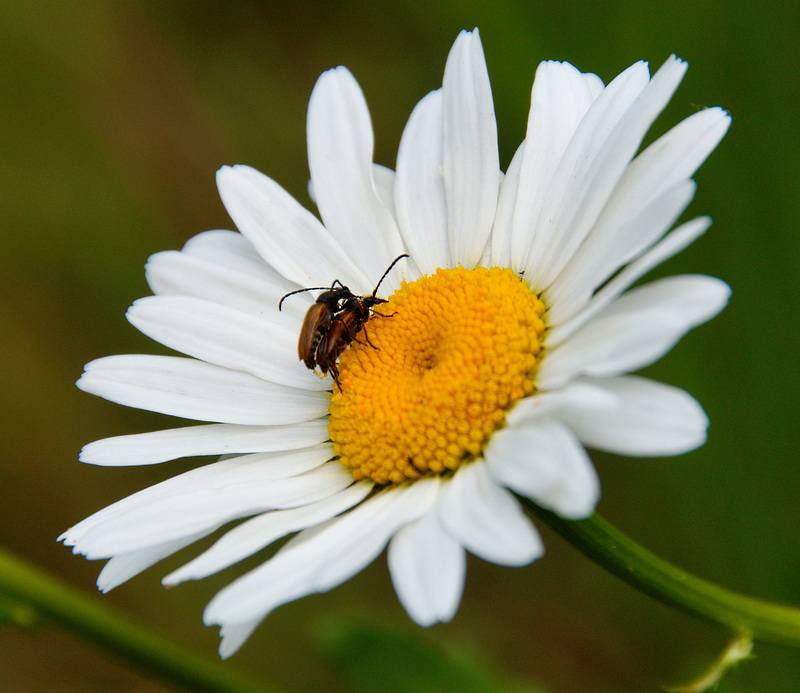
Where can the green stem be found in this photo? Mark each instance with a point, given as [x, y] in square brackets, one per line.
[647, 572]
[149, 651]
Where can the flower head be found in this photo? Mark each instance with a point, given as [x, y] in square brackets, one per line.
[501, 349]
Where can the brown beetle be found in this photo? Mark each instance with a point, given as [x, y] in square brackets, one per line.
[318, 320]
[333, 322]
[340, 334]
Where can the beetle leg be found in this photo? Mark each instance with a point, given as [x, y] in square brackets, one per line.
[334, 371]
[366, 336]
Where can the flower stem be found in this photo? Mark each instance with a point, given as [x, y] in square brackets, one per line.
[634, 564]
[151, 652]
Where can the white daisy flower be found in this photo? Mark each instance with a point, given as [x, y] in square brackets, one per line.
[510, 331]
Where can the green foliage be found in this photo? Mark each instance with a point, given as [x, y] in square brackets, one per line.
[376, 658]
[13, 612]
[115, 115]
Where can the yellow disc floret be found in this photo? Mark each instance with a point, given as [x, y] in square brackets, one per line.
[447, 356]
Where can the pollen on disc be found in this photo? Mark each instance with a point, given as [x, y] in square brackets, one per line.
[446, 357]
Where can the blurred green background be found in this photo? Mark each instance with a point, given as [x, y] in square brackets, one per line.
[113, 119]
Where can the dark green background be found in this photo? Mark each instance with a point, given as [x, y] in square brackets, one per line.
[114, 117]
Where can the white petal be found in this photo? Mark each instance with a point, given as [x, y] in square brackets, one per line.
[428, 568]
[649, 419]
[340, 145]
[636, 330]
[234, 251]
[599, 178]
[415, 503]
[419, 192]
[173, 273]
[560, 98]
[197, 390]
[224, 336]
[471, 164]
[613, 243]
[205, 498]
[630, 223]
[224, 267]
[544, 461]
[670, 245]
[673, 157]
[253, 535]
[257, 467]
[577, 394]
[283, 232]
[698, 297]
[486, 255]
[123, 567]
[384, 186]
[501, 254]
[319, 559]
[384, 177]
[212, 439]
[612, 159]
[234, 635]
[570, 197]
[613, 345]
[487, 520]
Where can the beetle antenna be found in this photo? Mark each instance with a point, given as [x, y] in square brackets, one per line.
[389, 269]
[300, 291]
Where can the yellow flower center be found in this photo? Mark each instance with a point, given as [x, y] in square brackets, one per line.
[447, 356]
